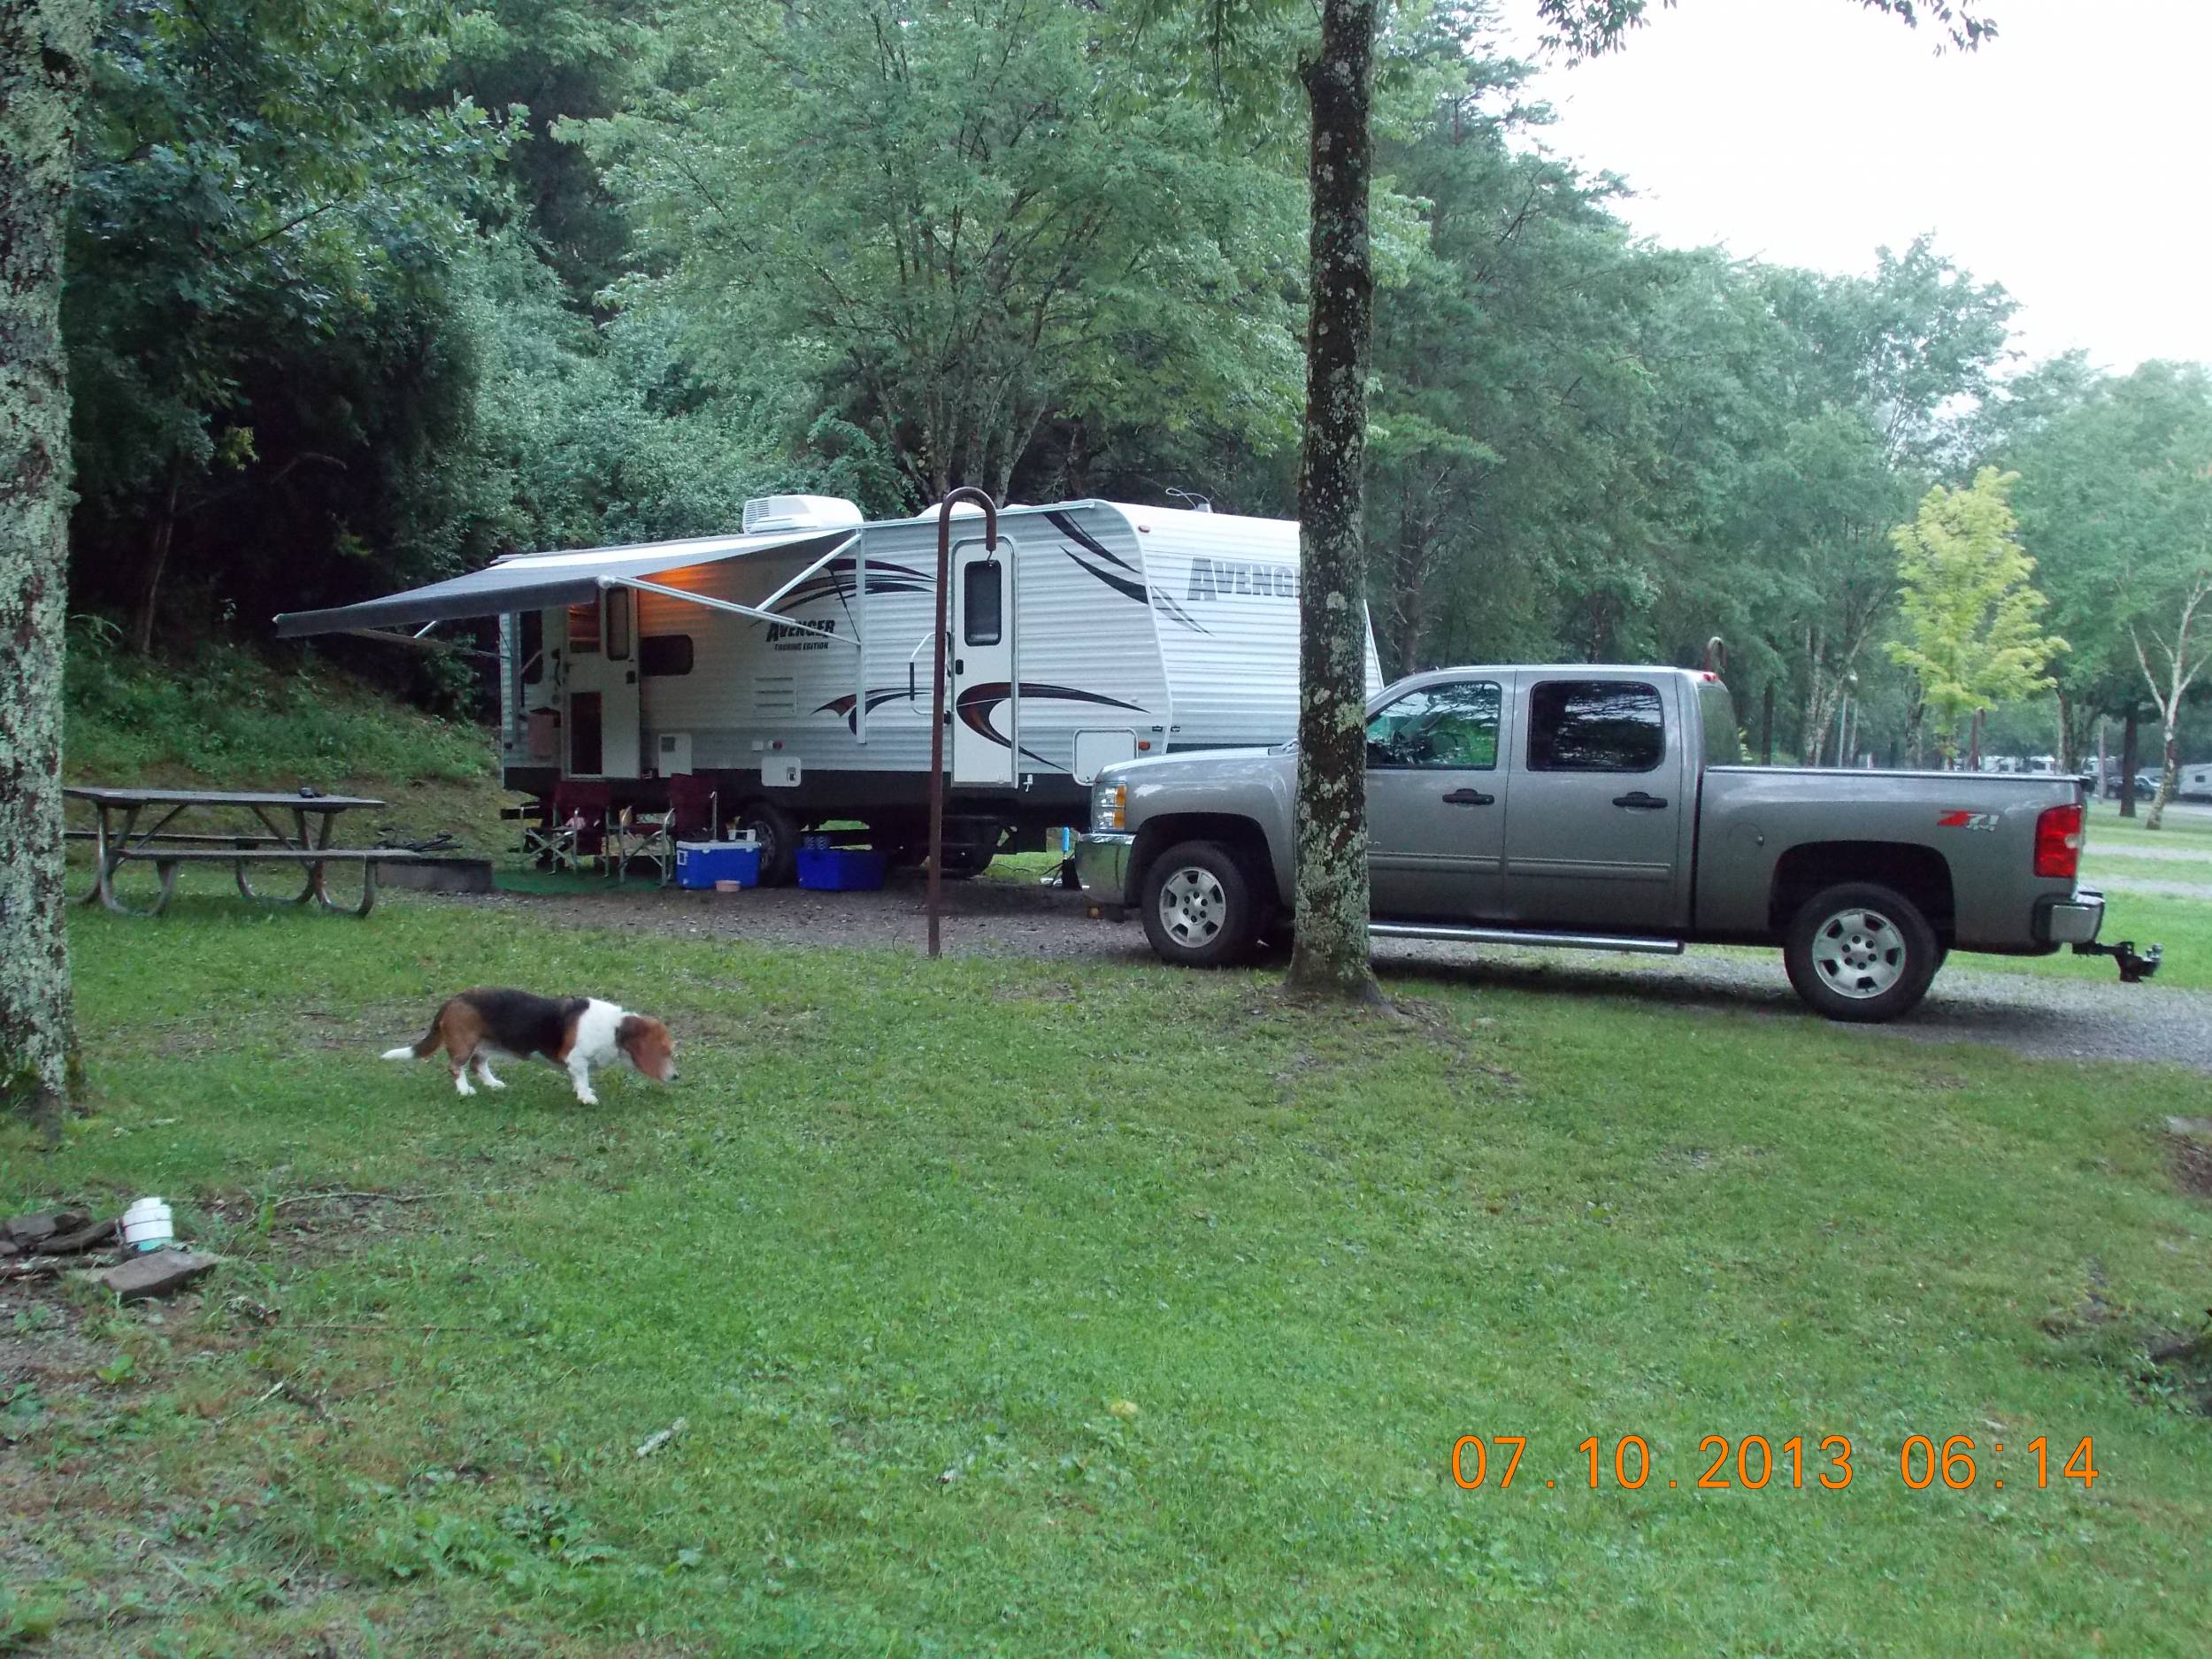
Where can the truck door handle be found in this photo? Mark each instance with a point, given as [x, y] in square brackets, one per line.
[1637, 801]
[1469, 797]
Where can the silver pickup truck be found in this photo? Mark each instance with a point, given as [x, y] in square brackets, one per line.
[1607, 808]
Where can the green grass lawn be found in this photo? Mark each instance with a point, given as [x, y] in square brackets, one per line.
[1023, 1308]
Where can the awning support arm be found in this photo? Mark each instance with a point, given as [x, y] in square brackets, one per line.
[752, 613]
[815, 569]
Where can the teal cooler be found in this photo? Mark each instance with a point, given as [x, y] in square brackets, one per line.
[702, 864]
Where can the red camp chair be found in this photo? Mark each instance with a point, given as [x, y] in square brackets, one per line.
[579, 830]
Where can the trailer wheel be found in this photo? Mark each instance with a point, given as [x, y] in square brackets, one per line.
[777, 833]
[965, 863]
[1861, 952]
[1198, 909]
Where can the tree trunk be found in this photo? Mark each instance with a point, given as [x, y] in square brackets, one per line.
[1331, 956]
[2104, 757]
[1766, 727]
[1974, 743]
[2169, 773]
[2128, 761]
[2068, 740]
[146, 607]
[43, 47]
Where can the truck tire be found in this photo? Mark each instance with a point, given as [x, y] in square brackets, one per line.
[777, 833]
[1861, 952]
[1197, 906]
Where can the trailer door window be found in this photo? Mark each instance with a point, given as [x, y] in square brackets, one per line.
[618, 634]
[530, 642]
[1595, 725]
[981, 603]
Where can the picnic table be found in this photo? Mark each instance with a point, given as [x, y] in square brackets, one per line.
[313, 819]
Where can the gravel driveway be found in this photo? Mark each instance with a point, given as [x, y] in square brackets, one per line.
[2047, 1017]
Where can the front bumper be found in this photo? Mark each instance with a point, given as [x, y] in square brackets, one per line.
[1101, 866]
[2073, 921]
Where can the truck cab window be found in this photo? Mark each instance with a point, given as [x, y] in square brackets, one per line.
[1451, 727]
[1595, 725]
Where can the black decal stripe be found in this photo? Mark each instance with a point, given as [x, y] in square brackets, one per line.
[1065, 524]
[976, 704]
[1121, 585]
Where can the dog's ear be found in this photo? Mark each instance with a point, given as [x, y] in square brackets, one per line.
[632, 1027]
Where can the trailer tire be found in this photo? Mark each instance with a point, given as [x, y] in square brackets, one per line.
[777, 833]
[1197, 907]
[964, 864]
[1862, 952]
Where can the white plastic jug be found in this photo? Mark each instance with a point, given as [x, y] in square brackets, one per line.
[147, 1224]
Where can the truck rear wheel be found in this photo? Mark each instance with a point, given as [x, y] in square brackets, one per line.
[1197, 908]
[1861, 952]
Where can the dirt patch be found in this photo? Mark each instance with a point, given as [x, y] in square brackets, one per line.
[2190, 1158]
[2178, 1371]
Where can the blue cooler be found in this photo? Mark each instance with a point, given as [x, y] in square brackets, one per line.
[702, 864]
[840, 869]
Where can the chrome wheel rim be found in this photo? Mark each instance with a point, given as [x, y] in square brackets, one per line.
[1859, 953]
[1192, 907]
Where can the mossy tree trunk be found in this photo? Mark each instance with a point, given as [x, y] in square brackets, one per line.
[43, 47]
[1331, 957]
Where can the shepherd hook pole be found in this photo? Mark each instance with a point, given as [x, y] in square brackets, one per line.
[937, 682]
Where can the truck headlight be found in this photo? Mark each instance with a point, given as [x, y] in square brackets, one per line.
[1109, 806]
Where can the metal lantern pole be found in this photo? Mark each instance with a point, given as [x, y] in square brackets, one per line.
[937, 683]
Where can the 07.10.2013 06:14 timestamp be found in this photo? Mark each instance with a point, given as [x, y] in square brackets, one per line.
[1755, 1464]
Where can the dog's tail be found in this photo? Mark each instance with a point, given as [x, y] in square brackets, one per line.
[429, 1045]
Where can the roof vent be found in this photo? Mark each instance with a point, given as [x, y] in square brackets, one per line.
[764, 513]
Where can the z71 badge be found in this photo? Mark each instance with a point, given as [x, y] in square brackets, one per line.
[1969, 821]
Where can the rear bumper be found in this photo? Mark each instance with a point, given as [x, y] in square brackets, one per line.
[1101, 866]
[2073, 921]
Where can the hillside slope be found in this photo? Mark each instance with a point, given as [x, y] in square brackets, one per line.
[230, 719]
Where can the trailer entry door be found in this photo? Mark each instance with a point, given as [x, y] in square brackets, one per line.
[987, 711]
[603, 689]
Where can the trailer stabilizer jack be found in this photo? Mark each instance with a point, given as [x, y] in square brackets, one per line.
[2135, 967]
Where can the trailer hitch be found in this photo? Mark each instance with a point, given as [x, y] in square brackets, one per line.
[2135, 966]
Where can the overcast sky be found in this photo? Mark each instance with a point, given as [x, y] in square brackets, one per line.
[2069, 159]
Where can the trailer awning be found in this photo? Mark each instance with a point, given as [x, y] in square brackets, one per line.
[771, 564]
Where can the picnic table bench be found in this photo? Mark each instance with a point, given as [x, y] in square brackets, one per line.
[119, 840]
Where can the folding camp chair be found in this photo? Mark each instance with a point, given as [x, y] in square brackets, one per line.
[640, 836]
[579, 829]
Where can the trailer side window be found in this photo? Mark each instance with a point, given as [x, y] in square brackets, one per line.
[665, 656]
[982, 603]
[1595, 725]
[1451, 727]
[530, 641]
[583, 628]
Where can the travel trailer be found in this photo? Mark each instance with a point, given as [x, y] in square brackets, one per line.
[788, 668]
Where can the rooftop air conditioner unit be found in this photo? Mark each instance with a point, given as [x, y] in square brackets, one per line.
[765, 513]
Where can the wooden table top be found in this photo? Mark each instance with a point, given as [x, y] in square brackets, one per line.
[101, 794]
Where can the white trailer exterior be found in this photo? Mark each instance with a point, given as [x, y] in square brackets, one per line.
[792, 666]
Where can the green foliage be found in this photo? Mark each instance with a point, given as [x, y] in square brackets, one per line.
[1973, 636]
[963, 218]
[226, 716]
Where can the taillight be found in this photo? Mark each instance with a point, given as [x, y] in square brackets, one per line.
[2058, 841]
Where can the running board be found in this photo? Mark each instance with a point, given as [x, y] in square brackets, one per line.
[1509, 936]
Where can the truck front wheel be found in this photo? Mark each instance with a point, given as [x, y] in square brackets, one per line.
[1861, 952]
[1198, 909]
